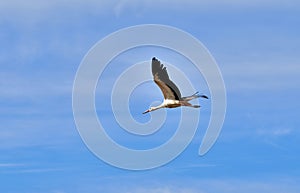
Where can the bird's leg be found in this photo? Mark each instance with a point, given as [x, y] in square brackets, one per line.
[187, 104]
[195, 95]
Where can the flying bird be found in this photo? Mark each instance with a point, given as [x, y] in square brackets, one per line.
[172, 95]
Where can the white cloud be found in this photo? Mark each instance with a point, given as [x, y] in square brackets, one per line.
[14, 6]
[9, 165]
[261, 77]
[38, 10]
[32, 13]
[14, 86]
[164, 190]
[136, 6]
[42, 170]
[272, 136]
[275, 132]
[216, 185]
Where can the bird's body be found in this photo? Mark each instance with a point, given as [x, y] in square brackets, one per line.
[169, 103]
[172, 95]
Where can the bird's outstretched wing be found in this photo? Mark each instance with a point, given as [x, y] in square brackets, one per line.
[161, 78]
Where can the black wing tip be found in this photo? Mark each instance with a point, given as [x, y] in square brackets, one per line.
[201, 95]
[204, 96]
[154, 58]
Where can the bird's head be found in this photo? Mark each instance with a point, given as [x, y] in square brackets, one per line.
[149, 110]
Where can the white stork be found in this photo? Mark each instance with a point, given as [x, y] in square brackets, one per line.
[172, 95]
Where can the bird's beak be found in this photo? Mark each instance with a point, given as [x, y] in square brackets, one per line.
[146, 111]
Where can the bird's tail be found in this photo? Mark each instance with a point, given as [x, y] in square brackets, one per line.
[196, 95]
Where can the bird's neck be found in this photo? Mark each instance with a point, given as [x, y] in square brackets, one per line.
[159, 107]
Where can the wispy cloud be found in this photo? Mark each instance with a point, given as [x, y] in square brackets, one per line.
[35, 11]
[43, 43]
[40, 10]
[273, 136]
[274, 132]
[214, 185]
[18, 168]
[272, 76]
[58, 191]
[4, 165]
[123, 6]
[40, 170]
[165, 189]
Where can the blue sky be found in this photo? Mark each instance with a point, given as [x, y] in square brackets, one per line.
[256, 45]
